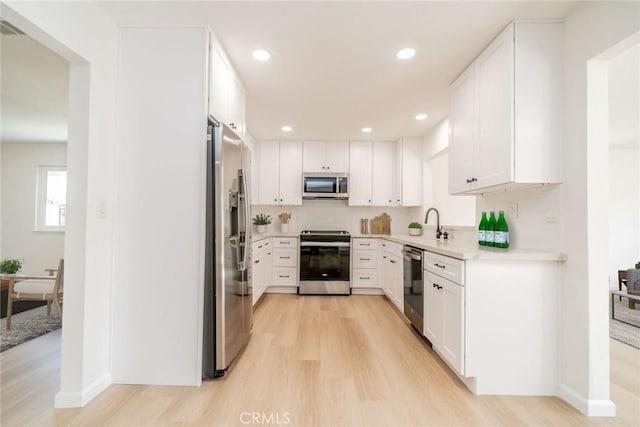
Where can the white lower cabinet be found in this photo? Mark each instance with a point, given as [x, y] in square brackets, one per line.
[444, 318]
[364, 263]
[285, 263]
[261, 259]
[392, 273]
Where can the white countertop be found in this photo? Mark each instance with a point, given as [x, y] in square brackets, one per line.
[453, 248]
[468, 251]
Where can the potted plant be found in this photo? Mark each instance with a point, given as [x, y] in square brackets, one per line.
[284, 218]
[415, 229]
[261, 221]
[10, 266]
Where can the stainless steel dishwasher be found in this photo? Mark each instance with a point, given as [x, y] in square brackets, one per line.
[413, 286]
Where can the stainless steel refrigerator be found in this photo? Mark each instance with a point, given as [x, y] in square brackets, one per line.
[228, 304]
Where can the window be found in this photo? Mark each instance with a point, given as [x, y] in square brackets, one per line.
[51, 207]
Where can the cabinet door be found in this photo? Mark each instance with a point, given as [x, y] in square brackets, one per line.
[290, 173]
[412, 180]
[268, 173]
[360, 174]
[397, 173]
[337, 157]
[220, 85]
[386, 276]
[452, 340]
[494, 78]
[236, 106]
[462, 134]
[432, 308]
[314, 157]
[383, 168]
[397, 282]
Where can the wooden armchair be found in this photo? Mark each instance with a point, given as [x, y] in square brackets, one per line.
[48, 289]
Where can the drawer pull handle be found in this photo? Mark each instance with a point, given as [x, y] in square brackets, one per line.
[259, 246]
[392, 261]
[285, 257]
[439, 265]
[285, 243]
[437, 286]
[365, 278]
[256, 261]
[365, 259]
[283, 276]
[365, 244]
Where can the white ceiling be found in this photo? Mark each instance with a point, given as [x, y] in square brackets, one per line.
[34, 91]
[333, 68]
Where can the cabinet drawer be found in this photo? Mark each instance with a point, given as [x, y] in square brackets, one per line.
[392, 248]
[364, 277]
[285, 257]
[365, 259]
[365, 244]
[444, 266]
[285, 242]
[285, 276]
[260, 245]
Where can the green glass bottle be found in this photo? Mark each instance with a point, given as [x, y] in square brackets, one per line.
[501, 236]
[490, 233]
[482, 230]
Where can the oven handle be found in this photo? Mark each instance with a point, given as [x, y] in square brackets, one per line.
[412, 255]
[327, 244]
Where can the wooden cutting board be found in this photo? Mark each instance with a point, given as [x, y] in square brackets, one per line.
[381, 224]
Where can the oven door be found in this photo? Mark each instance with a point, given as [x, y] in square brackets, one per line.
[324, 268]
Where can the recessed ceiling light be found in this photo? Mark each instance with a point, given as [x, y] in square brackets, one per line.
[421, 116]
[406, 53]
[366, 130]
[261, 55]
[286, 128]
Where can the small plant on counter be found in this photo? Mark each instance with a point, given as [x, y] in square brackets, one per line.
[415, 229]
[262, 219]
[10, 266]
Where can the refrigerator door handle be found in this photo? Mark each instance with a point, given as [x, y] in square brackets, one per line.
[247, 222]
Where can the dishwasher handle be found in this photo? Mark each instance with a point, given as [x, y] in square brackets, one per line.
[412, 255]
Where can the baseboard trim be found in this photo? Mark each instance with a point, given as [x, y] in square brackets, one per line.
[79, 399]
[366, 291]
[591, 408]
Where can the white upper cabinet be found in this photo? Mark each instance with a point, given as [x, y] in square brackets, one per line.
[461, 131]
[326, 157]
[226, 92]
[410, 150]
[384, 174]
[505, 112]
[372, 171]
[279, 173]
[360, 167]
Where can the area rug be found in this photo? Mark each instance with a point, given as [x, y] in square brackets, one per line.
[621, 331]
[28, 325]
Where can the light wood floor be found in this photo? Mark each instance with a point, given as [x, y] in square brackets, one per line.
[312, 361]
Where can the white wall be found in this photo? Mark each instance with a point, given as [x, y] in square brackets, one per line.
[455, 211]
[624, 211]
[591, 29]
[20, 163]
[335, 215]
[84, 34]
[624, 162]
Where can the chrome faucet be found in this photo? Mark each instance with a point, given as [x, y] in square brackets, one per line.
[426, 219]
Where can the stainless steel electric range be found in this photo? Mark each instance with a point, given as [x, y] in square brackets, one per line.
[324, 262]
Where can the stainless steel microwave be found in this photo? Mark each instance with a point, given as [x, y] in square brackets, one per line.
[325, 186]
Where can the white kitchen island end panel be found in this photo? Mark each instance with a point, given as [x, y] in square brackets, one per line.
[511, 327]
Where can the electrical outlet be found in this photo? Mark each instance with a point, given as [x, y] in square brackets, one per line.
[551, 218]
